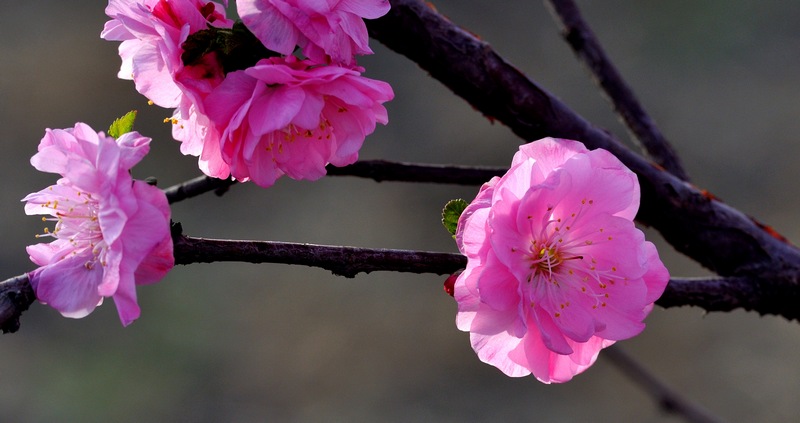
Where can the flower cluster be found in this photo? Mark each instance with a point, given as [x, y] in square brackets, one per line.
[111, 232]
[556, 268]
[244, 104]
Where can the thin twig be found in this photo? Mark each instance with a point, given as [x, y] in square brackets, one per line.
[197, 186]
[668, 399]
[378, 170]
[383, 170]
[587, 47]
[716, 235]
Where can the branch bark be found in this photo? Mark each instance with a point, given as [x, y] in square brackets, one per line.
[383, 170]
[710, 294]
[716, 235]
[197, 186]
[16, 295]
[342, 261]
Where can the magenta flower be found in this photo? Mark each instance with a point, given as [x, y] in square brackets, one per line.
[111, 233]
[286, 116]
[152, 34]
[556, 268]
[322, 28]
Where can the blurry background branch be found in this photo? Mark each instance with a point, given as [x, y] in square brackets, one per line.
[668, 399]
[586, 46]
[712, 233]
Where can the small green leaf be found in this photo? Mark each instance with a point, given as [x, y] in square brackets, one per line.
[450, 214]
[122, 125]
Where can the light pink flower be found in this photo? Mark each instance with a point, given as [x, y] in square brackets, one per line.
[111, 234]
[322, 28]
[556, 268]
[152, 34]
[289, 116]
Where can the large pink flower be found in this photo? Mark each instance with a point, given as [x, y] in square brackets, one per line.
[289, 116]
[322, 28]
[111, 232]
[556, 268]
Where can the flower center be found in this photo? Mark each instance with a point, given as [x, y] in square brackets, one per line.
[76, 220]
[547, 259]
[292, 133]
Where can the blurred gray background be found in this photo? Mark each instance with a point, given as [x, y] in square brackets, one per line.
[246, 343]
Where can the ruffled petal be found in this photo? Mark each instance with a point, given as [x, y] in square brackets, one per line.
[556, 268]
[69, 286]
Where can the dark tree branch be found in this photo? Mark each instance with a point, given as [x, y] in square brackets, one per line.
[727, 294]
[343, 261]
[197, 186]
[16, 295]
[668, 399]
[715, 294]
[718, 236]
[586, 46]
[710, 294]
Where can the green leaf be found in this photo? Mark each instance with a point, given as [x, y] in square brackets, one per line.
[122, 125]
[450, 214]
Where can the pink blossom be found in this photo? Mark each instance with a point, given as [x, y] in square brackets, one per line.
[152, 34]
[286, 116]
[111, 233]
[199, 137]
[556, 268]
[322, 28]
[191, 126]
